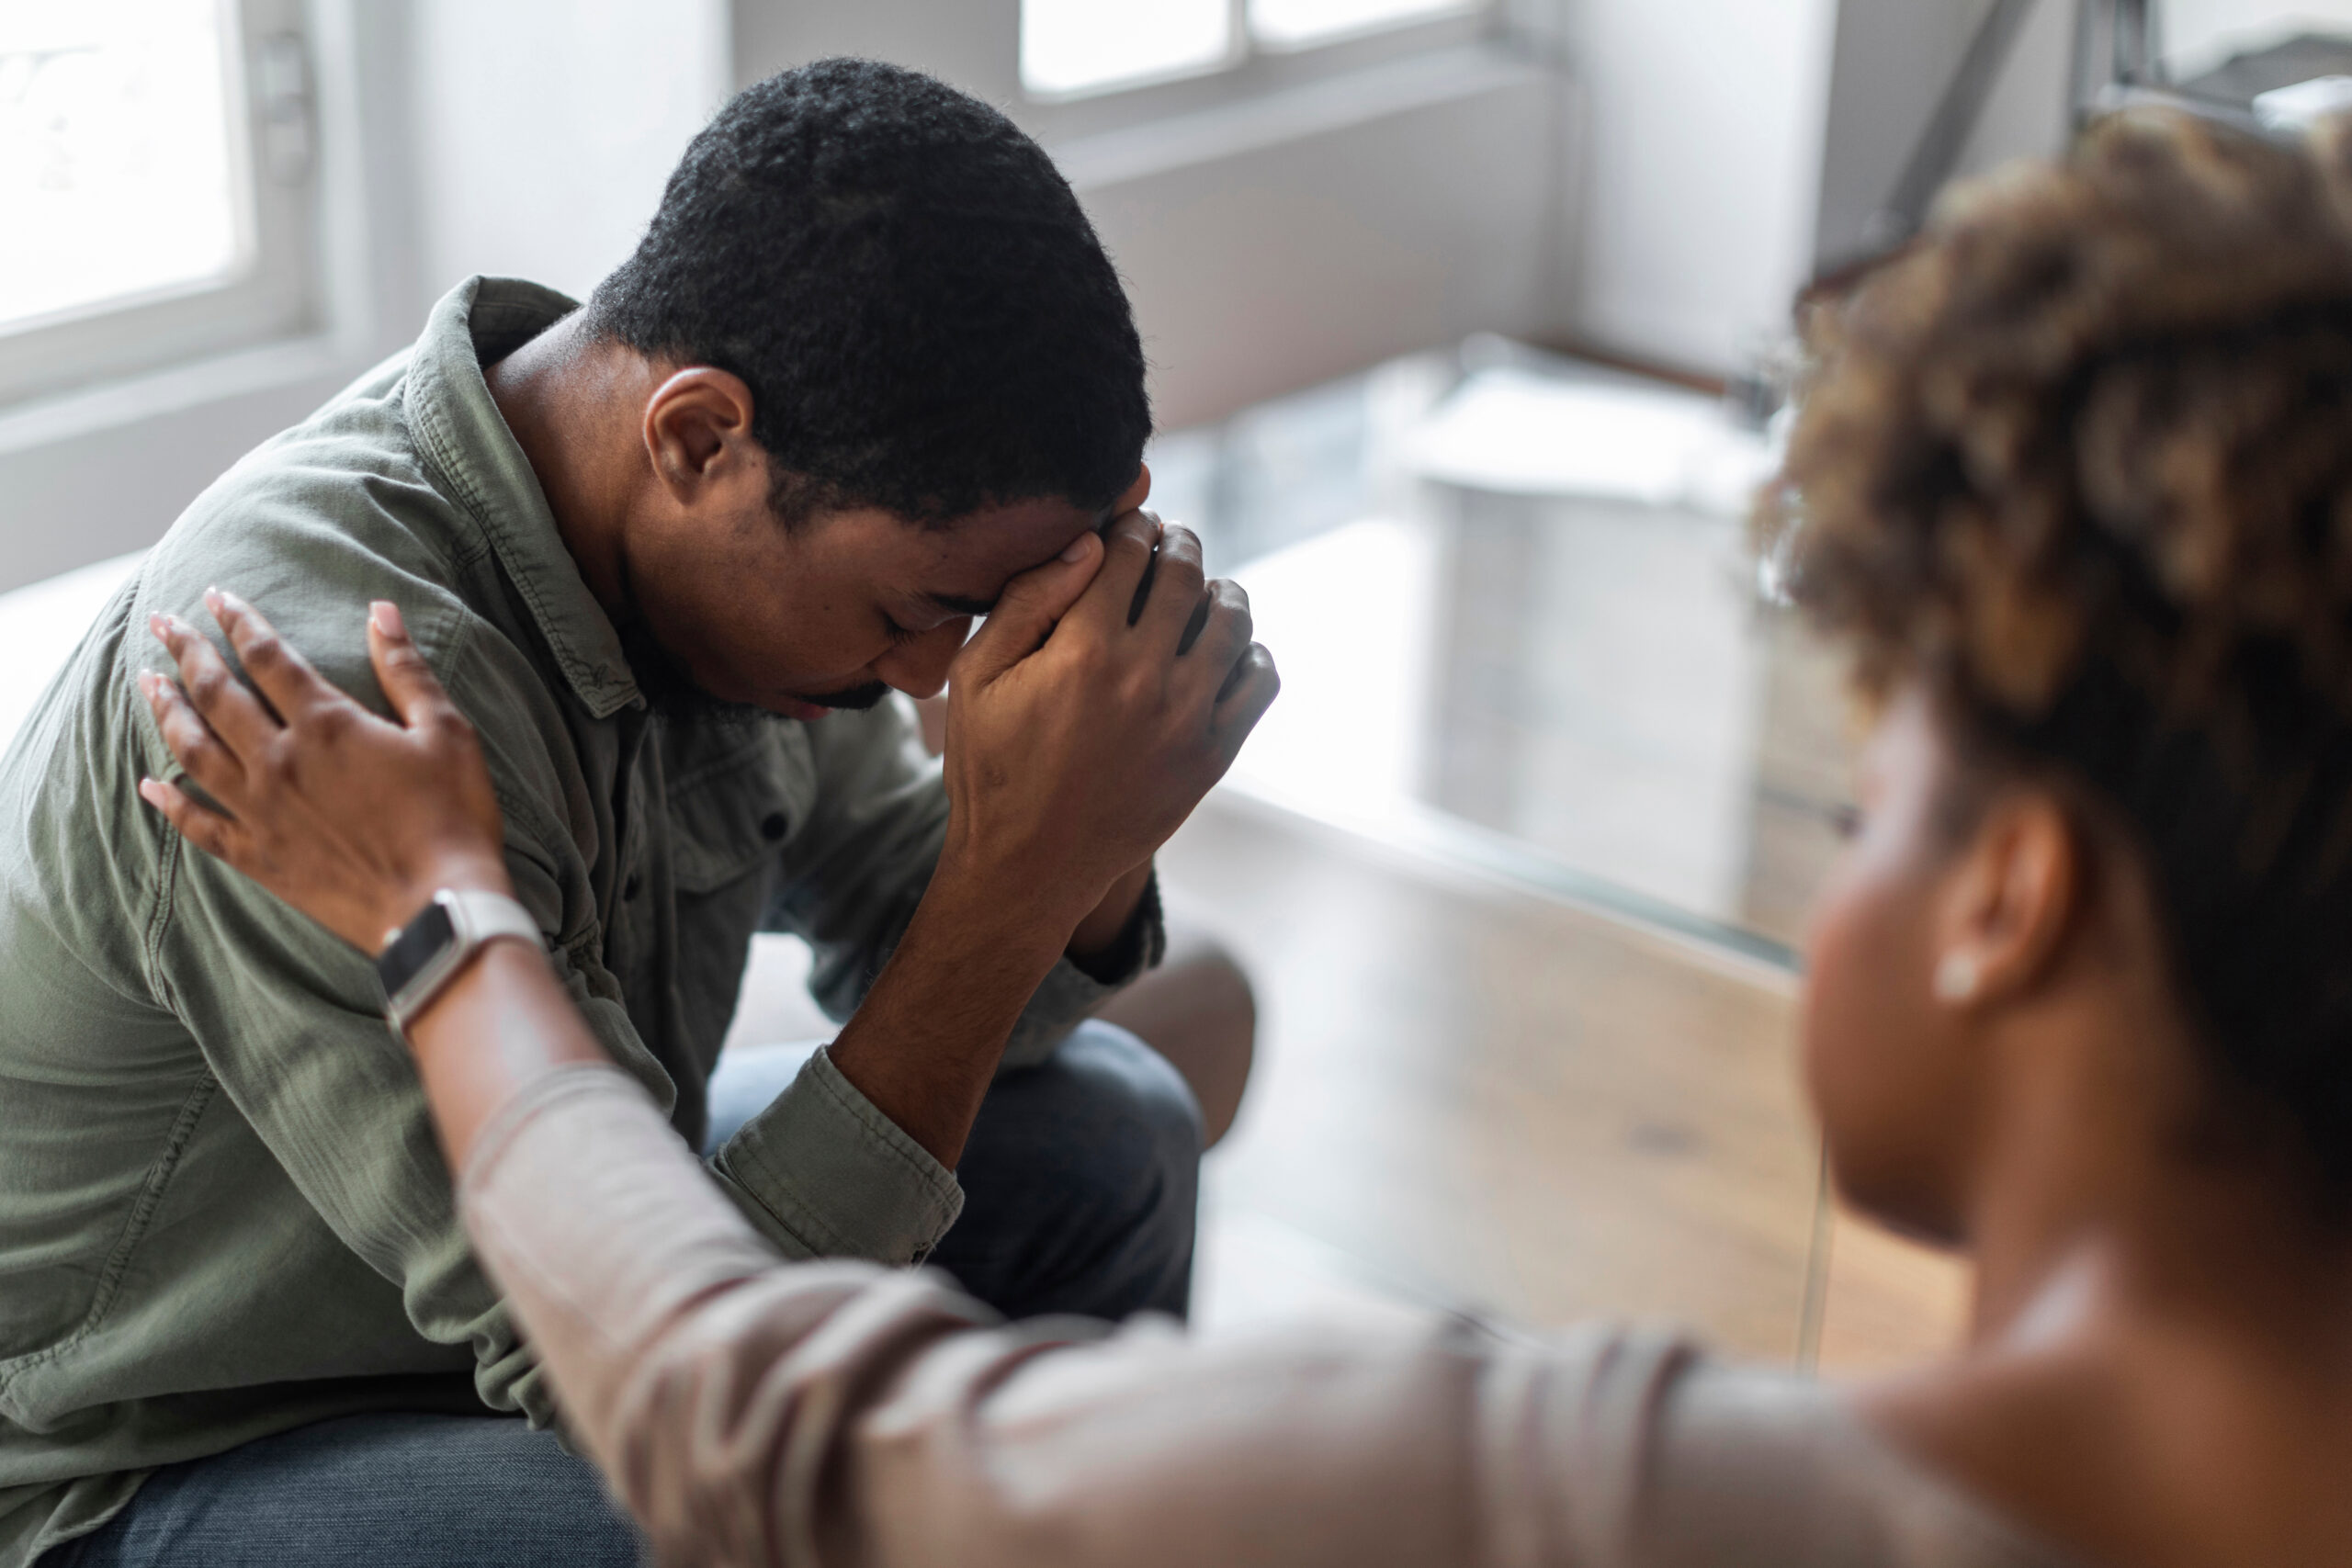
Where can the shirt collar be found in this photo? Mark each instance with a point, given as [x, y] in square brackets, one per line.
[466, 440]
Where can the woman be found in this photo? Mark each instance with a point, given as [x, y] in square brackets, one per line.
[2076, 487]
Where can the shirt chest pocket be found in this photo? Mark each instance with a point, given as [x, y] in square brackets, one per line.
[730, 813]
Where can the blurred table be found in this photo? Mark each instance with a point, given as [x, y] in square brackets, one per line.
[1519, 628]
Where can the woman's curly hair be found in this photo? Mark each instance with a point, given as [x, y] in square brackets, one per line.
[2079, 464]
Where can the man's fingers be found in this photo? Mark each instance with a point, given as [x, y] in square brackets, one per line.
[1175, 590]
[416, 694]
[193, 742]
[1248, 692]
[1026, 611]
[282, 675]
[207, 830]
[1128, 545]
[1221, 628]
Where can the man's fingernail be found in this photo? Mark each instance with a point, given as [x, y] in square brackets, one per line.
[387, 618]
[1077, 551]
[161, 625]
[148, 791]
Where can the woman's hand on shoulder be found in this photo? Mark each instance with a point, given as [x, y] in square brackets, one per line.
[353, 819]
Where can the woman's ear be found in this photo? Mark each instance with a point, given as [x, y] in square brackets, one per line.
[2009, 901]
[698, 433]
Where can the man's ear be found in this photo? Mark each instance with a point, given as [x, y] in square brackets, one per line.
[698, 433]
[2009, 900]
[1135, 494]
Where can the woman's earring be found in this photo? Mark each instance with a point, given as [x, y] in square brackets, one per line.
[1956, 976]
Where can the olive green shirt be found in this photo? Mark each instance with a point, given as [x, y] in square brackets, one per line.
[222, 1210]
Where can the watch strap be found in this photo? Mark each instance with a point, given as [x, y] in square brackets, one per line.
[421, 958]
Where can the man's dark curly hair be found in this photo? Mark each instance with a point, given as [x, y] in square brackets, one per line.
[2080, 465]
[923, 315]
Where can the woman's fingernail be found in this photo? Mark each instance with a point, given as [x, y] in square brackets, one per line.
[160, 625]
[150, 792]
[385, 617]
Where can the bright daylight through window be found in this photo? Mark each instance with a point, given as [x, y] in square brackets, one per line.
[1295, 24]
[118, 153]
[1072, 46]
[1080, 46]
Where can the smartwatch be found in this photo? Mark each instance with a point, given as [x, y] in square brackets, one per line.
[421, 957]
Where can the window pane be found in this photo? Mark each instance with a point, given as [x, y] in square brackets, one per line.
[116, 172]
[2199, 35]
[1285, 24]
[1069, 46]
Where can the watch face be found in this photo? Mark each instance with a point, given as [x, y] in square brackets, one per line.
[420, 941]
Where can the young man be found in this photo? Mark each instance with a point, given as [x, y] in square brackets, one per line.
[868, 375]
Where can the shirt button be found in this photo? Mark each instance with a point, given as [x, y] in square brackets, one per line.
[771, 825]
[633, 886]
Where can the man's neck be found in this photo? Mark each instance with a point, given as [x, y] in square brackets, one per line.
[568, 399]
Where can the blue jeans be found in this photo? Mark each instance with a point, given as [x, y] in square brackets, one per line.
[1080, 1177]
[1080, 1180]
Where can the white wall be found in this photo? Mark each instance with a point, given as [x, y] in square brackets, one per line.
[1272, 248]
[546, 128]
[1701, 172]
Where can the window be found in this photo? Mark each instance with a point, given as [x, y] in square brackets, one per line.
[155, 184]
[1301, 24]
[1080, 46]
[1074, 47]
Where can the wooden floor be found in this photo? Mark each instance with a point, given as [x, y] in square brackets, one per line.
[1485, 1100]
[1474, 1099]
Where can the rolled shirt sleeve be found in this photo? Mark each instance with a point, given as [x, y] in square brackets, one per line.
[821, 1173]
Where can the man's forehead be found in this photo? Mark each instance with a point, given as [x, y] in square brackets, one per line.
[974, 558]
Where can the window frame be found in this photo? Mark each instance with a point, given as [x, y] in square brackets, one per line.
[1251, 69]
[278, 291]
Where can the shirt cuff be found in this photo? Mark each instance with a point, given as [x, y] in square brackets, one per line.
[1070, 995]
[1138, 946]
[822, 1173]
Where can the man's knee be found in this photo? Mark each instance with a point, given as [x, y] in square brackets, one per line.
[1081, 1182]
[1144, 1154]
[1198, 1010]
[1147, 1132]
